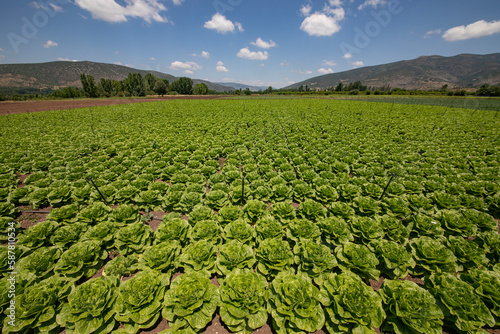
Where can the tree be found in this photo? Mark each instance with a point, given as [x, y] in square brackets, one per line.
[183, 85]
[339, 87]
[200, 89]
[248, 91]
[118, 87]
[150, 81]
[356, 86]
[105, 87]
[269, 90]
[89, 87]
[134, 85]
[160, 87]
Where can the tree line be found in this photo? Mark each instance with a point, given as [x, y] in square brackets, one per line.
[134, 85]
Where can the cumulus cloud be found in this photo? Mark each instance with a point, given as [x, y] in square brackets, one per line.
[222, 25]
[372, 3]
[252, 55]
[325, 70]
[111, 11]
[325, 22]
[432, 32]
[320, 24]
[474, 30]
[306, 10]
[203, 54]
[50, 44]
[347, 56]
[177, 2]
[152, 58]
[358, 63]
[66, 59]
[220, 67]
[305, 72]
[186, 67]
[329, 63]
[263, 44]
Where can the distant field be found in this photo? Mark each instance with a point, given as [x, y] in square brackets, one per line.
[480, 103]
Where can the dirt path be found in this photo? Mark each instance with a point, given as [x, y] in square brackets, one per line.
[17, 107]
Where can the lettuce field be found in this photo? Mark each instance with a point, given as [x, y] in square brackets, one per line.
[293, 215]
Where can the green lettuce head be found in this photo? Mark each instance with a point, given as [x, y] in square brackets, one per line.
[190, 303]
[244, 296]
[410, 309]
[294, 304]
[90, 307]
[351, 305]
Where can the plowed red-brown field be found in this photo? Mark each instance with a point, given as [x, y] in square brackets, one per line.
[17, 107]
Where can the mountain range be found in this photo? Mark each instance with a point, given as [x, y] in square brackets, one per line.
[424, 73]
[60, 74]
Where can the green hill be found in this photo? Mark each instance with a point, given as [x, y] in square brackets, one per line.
[426, 73]
[60, 74]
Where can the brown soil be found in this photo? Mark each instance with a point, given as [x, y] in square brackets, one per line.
[413, 279]
[17, 107]
[21, 180]
[28, 219]
[376, 285]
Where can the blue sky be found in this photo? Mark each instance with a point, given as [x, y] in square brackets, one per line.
[264, 43]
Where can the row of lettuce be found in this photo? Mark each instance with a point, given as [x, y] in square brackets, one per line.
[235, 168]
[307, 263]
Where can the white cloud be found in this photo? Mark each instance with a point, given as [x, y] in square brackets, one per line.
[66, 59]
[338, 12]
[253, 55]
[35, 5]
[1, 50]
[347, 56]
[177, 2]
[220, 67]
[320, 24]
[203, 54]
[329, 63]
[432, 32]
[56, 8]
[152, 58]
[325, 70]
[305, 72]
[50, 44]
[222, 25]
[372, 3]
[187, 67]
[358, 63]
[239, 26]
[263, 44]
[118, 63]
[111, 11]
[306, 10]
[474, 30]
[284, 63]
[335, 3]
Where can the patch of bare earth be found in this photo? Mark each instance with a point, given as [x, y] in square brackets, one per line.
[30, 217]
[17, 107]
